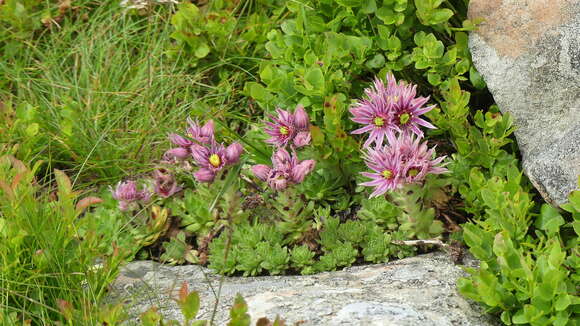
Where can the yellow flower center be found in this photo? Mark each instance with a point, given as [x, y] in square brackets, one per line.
[412, 172]
[215, 160]
[284, 131]
[387, 174]
[404, 118]
[379, 122]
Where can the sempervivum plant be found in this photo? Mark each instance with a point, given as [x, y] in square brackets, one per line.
[389, 110]
[404, 161]
[289, 128]
[400, 167]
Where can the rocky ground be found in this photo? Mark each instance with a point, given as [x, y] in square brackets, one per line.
[414, 291]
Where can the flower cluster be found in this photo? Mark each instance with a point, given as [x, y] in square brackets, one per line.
[287, 129]
[287, 169]
[128, 195]
[200, 144]
[405, 161]
[392, 112]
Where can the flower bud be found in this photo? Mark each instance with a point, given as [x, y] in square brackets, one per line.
[261, 171]
[233, 153]
[179, 153]
[204, 175]
[302, 139]
[281, 159]
[301, 119]
[165, 184]
[278, 181]
[300, 171]
[179, 141]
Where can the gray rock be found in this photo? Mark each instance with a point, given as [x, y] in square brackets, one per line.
[528, 52]
[413, 291]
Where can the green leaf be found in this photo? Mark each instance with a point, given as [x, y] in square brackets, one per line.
[190, 305]
[387, 15]
[434, 78]
[369, 6]
[440, 16]
[376, 62]
[476, 79]
[350, 3]
[239, 313]
[506, 317]
[434, 50]
[519, 317]
[32, 129]
[150, 318]
[202, 50]
[315, 79]
[563, 302]
[549, 220]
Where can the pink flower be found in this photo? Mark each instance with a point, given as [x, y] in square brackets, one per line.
[386, 165]
[204, 135]
[375, 112]
[178, 153]
[302, 139]
[204, 175]
[261, 171]
[180, 141]
[405, 161]
[278, 180]
[127, 194]
[390, 110]
[233, 153]
[165, 184]
[407, 108]
[286, 126]
[300, 170]
[286, 170]
[301, 119]
[214, 158]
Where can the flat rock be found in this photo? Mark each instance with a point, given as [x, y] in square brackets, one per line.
[528, 52]
[413, 291]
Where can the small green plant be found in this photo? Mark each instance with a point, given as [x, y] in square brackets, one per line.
[526, 277]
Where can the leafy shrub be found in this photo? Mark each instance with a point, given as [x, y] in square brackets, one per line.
[528, 277]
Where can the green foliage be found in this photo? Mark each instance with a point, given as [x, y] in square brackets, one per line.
[194, 211]
[302, 259]
[257, 249]
[96, 91]
[49, 254]
[528, 277]
[94, 95]
[380, 211]
[295, 215]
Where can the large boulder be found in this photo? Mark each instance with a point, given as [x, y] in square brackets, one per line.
[528, 52]
[413, 291]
